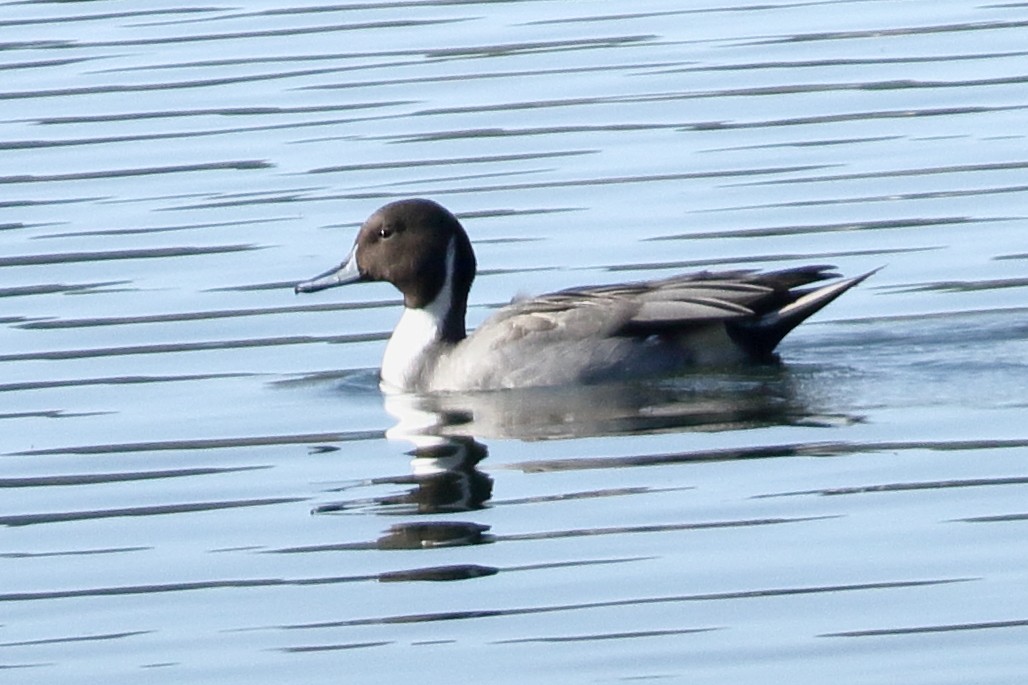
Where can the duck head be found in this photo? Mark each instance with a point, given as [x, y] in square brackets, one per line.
[419, 247]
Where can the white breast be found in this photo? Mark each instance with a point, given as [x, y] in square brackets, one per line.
[414, 345]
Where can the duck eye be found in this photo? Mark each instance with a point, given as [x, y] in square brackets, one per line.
[385, 232]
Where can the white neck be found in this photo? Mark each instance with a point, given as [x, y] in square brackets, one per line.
[408, 353]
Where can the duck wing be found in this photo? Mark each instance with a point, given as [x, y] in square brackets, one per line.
[665, 306]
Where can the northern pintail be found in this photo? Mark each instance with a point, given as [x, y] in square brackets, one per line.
[574, 336]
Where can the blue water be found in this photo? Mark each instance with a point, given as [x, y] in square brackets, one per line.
[197, 480]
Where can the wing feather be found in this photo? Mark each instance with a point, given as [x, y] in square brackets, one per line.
[670, 305]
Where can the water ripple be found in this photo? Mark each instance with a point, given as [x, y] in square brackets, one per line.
[673, 599]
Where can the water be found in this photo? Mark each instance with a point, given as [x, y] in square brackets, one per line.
[197, 478]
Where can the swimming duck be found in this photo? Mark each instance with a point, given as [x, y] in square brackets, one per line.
[579, 335]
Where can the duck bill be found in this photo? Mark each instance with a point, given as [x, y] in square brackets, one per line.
[347, 272]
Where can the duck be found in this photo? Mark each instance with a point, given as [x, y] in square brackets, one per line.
[577, 336]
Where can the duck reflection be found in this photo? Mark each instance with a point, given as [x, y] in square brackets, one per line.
[445, 432]
[433, 534]
[446, 429]
[444, 479]
[444, 465]
[703, 402]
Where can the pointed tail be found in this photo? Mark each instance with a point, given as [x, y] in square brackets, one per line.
[761, 335]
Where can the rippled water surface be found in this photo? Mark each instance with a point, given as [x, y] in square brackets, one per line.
[197, 481]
